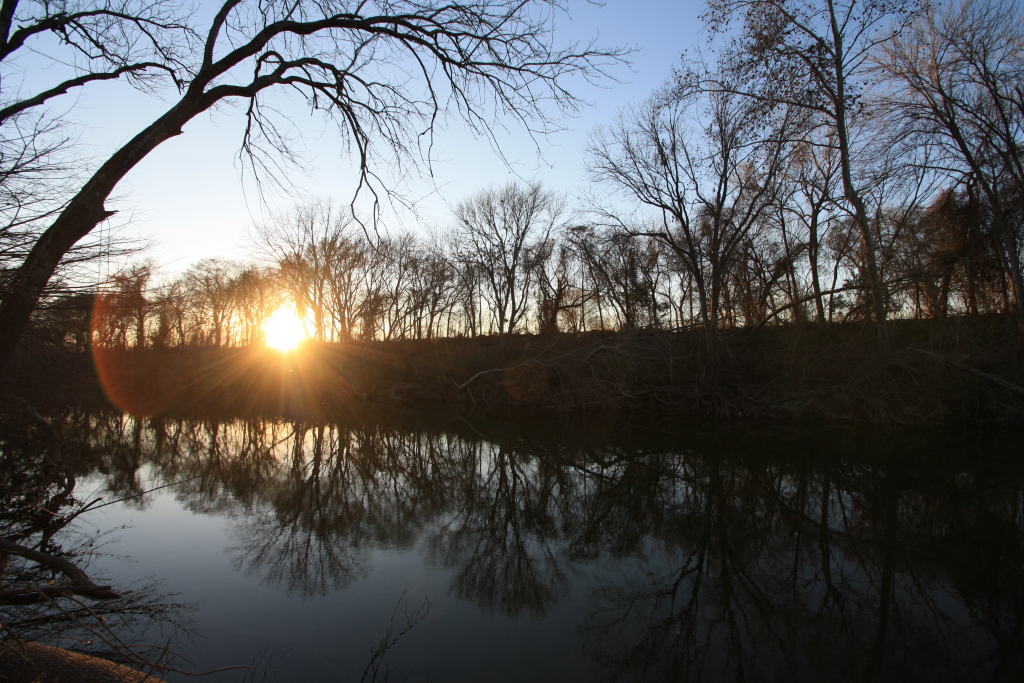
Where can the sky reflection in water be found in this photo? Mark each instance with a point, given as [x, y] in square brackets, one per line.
[548, 548]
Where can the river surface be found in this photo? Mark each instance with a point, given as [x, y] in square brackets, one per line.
[540, 547]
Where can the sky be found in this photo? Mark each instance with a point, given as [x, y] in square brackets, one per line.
[190, 201]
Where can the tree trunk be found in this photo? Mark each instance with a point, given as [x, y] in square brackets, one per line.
[1012, 266]
[77, 220]
[851, 194]
[812, 254]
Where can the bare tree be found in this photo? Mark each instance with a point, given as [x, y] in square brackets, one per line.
[710, 186]
[77, 42]
[170, 305]
[555, 284]
[37, 173]
[435, 282]
[503, 232]
[123, 307]
[352, 60]
[32, 175]
[209, 285]
[810, 198]
[956, 92]
[810, 56]
[347, 274]
[400, 262]
[467, 285]
[622, 270]
[72, 43]
[255, 291]
[305, 244]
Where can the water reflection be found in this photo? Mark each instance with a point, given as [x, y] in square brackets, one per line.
[48, 593]
[697, 553]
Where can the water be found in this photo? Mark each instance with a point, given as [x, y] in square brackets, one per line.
[550, 548]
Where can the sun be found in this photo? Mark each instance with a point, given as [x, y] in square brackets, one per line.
[284, 329]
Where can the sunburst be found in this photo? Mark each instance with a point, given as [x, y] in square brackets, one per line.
[284, 329]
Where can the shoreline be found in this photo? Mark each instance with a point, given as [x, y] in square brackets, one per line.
[957, 371]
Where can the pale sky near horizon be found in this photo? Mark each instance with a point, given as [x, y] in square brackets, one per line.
[188, 198]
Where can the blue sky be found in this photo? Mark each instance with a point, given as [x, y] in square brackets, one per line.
[189, 198]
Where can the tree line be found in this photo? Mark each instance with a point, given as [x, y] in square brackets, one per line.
[820, 163]
[496, 274]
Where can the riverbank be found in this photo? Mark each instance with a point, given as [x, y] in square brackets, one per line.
[966, 371]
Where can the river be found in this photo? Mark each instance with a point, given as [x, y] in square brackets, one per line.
[544, 547]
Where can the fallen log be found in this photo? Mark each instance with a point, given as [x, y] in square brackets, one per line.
[35, 663]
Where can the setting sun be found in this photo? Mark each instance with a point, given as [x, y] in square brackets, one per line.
[284, 329]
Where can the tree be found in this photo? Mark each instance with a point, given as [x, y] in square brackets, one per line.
[811, 56]
[123, 307]
[503, 232]
[131, 286]
[554, 285]
[710, 186]
[351, 60]
[468, 283]
[31, 179]
[209, 284]
[810, 178]
[305, 245]
[623, 270]
[956, 77]
[255, 295]
[73, 43]
[399, 262]
[434, 285]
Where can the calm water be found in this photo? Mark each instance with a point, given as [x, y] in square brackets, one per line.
[548, 548]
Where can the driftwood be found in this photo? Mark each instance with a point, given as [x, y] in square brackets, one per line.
[35, 663]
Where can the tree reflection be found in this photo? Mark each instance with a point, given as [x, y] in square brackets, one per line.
[46, 594]
[503, 540]
[828, 556]
[844, 573]
[301, 541]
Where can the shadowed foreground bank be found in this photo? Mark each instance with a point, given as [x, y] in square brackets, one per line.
[950, 371]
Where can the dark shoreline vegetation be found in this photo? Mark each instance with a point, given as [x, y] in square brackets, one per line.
[967, 371]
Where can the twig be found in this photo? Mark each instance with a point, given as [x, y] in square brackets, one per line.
[137, 495]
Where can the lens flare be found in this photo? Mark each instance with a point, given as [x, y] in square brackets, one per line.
[284, 329]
